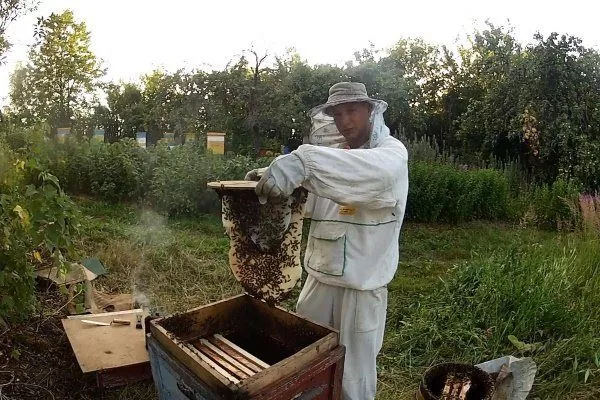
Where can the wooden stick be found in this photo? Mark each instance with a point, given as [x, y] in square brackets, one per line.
[243, 352]
[227, 357]
[108, 314]
[464, 390]
[221, 361]
[234, 354]
[98, 323]
[213, 364]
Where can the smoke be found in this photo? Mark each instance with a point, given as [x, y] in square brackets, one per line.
[151, 229]
[150, 232]
[140, 300]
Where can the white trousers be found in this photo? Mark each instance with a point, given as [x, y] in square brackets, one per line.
[359, 315]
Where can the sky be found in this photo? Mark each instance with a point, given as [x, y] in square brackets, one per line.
[134, 37]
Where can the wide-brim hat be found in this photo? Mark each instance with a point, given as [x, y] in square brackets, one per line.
[347, 92]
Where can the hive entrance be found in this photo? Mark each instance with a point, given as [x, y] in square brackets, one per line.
[265, 239]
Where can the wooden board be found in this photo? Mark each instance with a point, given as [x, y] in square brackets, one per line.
[232, 185]
[290, 365]
[322, 379]
[109, 378]
[105, 347]
[319, 380]
[259, 363]
[232, 360]
[187, 355]
[239, 357]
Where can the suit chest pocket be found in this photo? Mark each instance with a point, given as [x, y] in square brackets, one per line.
[326, 252]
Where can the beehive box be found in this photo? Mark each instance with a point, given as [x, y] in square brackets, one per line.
[242, 348]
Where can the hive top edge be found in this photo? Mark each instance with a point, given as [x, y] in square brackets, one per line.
[232, 185]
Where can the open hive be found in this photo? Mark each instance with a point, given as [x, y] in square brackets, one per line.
[240, 347]
[265, 239]
[245, 347]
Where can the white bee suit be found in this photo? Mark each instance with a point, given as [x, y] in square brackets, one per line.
[356, 205]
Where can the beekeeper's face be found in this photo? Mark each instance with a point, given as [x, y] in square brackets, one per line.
[352, 121]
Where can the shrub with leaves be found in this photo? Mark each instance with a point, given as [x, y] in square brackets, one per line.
[174, 181]
[117, 170]
[179, 183]
[35, 219]
[113, 172]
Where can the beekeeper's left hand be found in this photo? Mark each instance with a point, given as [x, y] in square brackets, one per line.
[284, 175]
[255, 174]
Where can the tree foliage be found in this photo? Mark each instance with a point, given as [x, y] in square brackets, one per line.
[10, 11]
[57, 84]
[489, 102]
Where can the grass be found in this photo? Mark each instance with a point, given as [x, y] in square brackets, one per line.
[460, 290]
[176, 264]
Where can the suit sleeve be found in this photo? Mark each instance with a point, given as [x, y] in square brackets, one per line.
[371, 178]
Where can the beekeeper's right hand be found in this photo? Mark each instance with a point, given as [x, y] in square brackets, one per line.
[284, 175]
[255, 174]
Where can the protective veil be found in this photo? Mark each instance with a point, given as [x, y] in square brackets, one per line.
[324, 132]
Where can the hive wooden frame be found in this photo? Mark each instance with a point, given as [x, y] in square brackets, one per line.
[232, 185]
[184, 351]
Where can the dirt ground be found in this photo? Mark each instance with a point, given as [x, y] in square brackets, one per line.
[37, 362]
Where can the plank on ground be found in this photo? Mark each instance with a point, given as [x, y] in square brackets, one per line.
[104, 347]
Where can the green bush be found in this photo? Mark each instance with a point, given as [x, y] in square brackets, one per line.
[68, 161]
[22, 140]
[179, 183]
[444, 193]
[35, 219]
[426, 149]
[174, 180]
[113, 172]
[117, 170]
[7, 169]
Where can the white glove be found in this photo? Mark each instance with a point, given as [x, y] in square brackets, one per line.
[284, 175]
[255, 174]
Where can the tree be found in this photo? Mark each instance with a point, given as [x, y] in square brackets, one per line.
[125, 113]
[485, 68]
[10, 10]
[255, 91]
[163, 100]
[62, 73]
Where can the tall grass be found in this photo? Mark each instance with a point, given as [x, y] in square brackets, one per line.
[542, 295]
[443, 193]
[426, 149]
[553, 206]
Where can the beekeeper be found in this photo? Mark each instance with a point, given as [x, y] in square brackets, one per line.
[358, 186]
